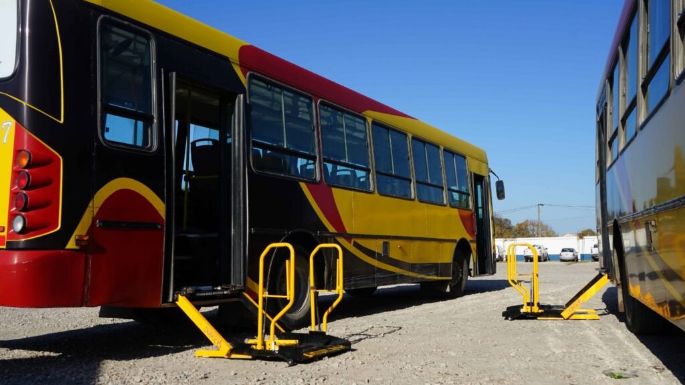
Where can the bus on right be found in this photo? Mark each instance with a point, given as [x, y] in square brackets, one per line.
[640, 164]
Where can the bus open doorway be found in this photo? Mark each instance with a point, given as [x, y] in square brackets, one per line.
[203, 190]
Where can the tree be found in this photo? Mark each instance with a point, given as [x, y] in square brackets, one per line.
[586, 233]
[503, 227]
[529, 228]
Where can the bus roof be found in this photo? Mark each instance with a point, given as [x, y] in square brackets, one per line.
[246, 57]
[626, 14]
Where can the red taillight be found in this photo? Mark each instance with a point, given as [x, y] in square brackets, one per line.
[21, 201]
[35, 197]
[23, 159]
[23, 179]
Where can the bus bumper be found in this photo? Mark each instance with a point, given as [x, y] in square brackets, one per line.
[43, 278]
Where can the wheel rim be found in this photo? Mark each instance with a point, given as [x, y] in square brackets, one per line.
[457, 275]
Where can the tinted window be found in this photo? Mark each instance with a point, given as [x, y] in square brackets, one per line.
[615, 113]
[630, 125]
[659, 64]
[391, 153]
[457, 180]
[659, 27]
[283, 140]
[658, 85]
[126, 76]
[8, 30]
[631, 61]
[427, 166]
[345, 148]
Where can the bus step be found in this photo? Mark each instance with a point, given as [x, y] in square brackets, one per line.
[205, 292]
[531, 307]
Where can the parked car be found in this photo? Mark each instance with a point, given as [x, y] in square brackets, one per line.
[543, 255]
[569, 254]
[595, 252]
[500, 255]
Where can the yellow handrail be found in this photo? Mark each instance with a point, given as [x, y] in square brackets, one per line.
[312, 285]
[289, 295]
[530, 297]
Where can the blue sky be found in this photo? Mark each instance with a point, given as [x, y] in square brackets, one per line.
[518, 78]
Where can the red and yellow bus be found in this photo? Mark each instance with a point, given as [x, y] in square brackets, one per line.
[640, 166]
[145, 154]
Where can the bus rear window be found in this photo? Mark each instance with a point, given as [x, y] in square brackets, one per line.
[8, 36]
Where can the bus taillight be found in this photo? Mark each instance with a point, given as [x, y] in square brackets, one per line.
[19, 224]
[21, 201]
[23, 159]
[23, 180]
[35, 192]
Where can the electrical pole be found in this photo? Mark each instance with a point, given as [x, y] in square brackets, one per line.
[539, 205]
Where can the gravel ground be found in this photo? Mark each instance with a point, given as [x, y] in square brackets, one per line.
[399, 337]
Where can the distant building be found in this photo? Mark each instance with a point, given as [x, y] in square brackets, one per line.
[554, 244]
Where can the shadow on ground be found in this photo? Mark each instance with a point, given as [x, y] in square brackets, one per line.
[667, 347]
[402, 297]
[75, 356]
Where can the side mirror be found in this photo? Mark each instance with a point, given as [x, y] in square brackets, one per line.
[499, 187]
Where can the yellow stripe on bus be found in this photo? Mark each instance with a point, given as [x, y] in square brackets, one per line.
[105, 192]
[7, 128]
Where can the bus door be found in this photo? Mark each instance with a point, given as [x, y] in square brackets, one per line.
[600, 187]
[126, 236]
[486, 259]
[202, 189]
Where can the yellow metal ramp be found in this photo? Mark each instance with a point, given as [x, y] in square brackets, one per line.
[290, 347]
[531, 307]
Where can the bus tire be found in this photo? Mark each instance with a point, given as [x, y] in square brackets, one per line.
[460, 274]
[455, 286]
[298, 315]
[638, 318]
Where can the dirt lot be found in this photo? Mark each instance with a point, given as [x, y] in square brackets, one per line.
[399, 337]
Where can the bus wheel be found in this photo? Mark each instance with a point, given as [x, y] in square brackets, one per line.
[460, 273]
[298, 315]
[361, 292]
[455, 286]
[639, 318]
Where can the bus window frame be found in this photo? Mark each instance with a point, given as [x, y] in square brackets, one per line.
[409, 160]
[469, 179]
[153, 146]
[649, 73]
[248, 123]
[678, 41]
[371, 166]
[442, 172]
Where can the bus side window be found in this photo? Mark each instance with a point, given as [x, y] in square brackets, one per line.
[126, 86]
[457, 180]
[391, 154]
[282, 124]
[345, 148]
[428, 169]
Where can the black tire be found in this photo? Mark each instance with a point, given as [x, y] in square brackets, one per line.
[460, 274]
[639, 318]
[362, 292]
[454, 287]
[298, 315]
